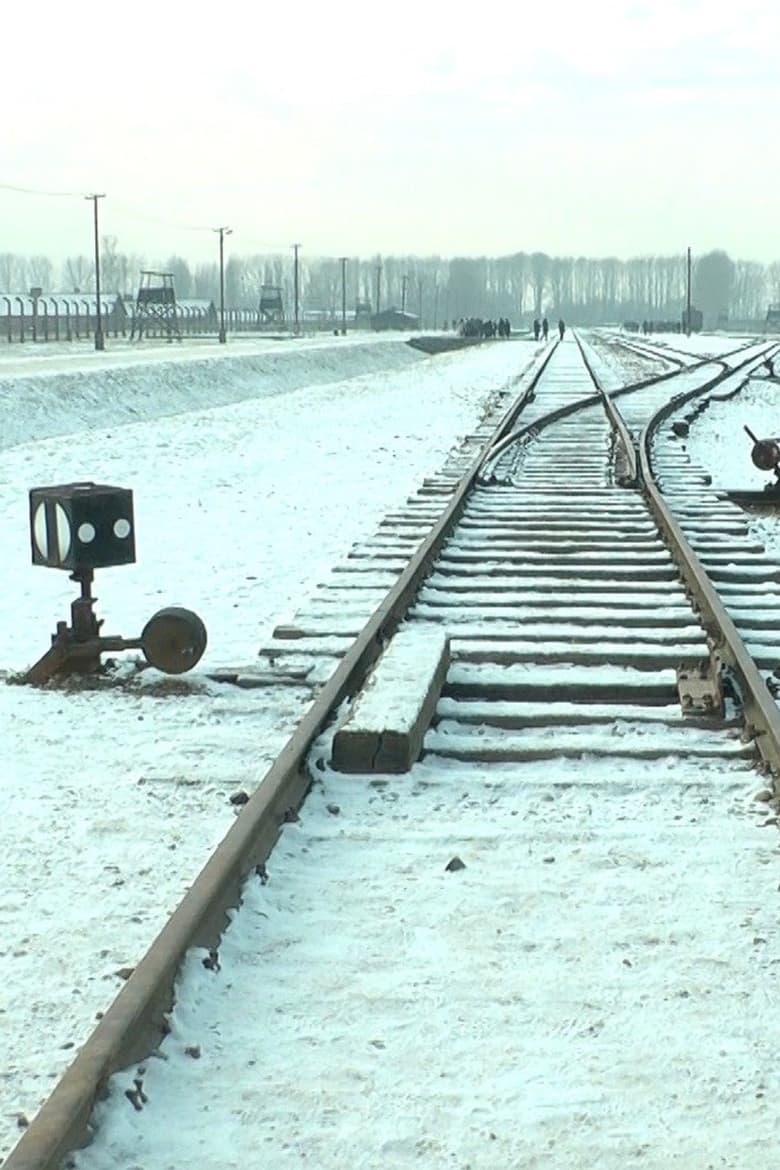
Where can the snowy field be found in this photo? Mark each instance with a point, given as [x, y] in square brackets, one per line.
[252, 475]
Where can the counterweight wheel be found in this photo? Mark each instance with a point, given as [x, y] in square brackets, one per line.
[174, 639]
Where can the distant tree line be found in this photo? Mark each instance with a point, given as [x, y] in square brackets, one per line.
[582, 290]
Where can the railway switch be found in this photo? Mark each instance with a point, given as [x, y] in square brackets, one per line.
[86, 526]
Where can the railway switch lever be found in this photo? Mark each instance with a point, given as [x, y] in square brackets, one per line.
[765, 454]
[85, 526]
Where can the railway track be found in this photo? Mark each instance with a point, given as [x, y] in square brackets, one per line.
[656, 355]
[582, 702]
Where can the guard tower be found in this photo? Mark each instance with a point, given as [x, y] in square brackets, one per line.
[155, 306]
[271, 307]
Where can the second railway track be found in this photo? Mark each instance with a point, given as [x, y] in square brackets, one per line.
[507, 956]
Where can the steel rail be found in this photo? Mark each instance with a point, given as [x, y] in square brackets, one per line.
[647, 348]
[617, 421]
[560, 412]
[762, 715]
[630, 444]
[600, 395]
[638, 349]
[135, 1022]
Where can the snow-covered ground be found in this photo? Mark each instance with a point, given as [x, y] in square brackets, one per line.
[247, 489]
[719, 442]
[593, 990]
[253, 471]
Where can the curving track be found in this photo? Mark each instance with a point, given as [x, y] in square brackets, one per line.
[371, 1005]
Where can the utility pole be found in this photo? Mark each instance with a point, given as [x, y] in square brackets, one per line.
[419, 290]
[295, 248]
[223, 231]
[378, 284]
[688, 309]
[404, 282]
[436, 306]
[99, 340]
[343, 260]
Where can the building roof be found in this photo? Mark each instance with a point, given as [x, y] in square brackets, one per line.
[197, 304]
[396, 315]
[394, 319]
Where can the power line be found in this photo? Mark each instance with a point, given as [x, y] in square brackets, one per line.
[122, 209]
[38, 191]
[116, 206]
[127, 211]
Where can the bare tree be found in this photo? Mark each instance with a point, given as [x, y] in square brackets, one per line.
[39, 269]
[611, 279]
[206, 281]
[555, 277]
[182, 277]
[518, 280]
[466, 287]
[135, 264]
[713, 281]
[9, 265]
[749, 292]
[565, 278]
[234, 269]
[76, 272]
[773, 281]
[112, 269]
[253, 278]
[585, 290]
[540, 272]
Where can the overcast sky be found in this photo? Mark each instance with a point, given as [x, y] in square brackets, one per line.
[603, 128]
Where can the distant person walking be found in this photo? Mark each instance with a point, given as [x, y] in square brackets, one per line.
[561, 328]
[545, 327]
[537, 327]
